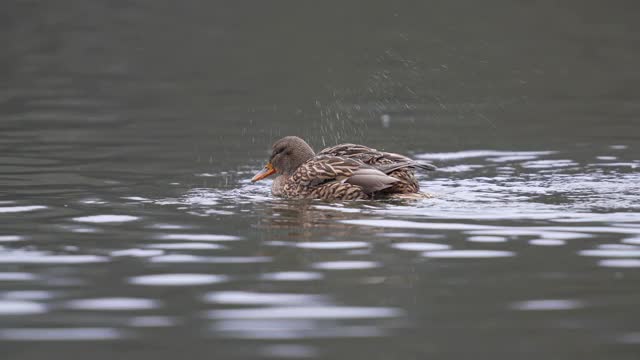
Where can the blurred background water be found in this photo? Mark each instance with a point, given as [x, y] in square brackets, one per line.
[129, 130]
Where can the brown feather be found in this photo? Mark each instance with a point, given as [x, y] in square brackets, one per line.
[342, 172]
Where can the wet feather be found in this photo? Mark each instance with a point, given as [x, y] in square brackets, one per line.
[345, 172]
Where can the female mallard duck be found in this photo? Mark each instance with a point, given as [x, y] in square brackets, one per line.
[341, 172]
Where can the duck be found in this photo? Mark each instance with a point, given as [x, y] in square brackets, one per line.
[340, 172]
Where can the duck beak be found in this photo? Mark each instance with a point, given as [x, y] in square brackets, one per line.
[266, 172]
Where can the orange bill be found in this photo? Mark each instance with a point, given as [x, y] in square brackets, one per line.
[266, 172]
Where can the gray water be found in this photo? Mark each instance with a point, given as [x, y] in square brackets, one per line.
[129, 229]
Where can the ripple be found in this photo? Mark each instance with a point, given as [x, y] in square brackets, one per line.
[610, 253]
[410, 235]
[459, 168]
[152, 321]
[332, 245]
[547, 304]
[169, 226]
[18, 307]
[177, 279]
[27, 295]
[548, 164]
[632, 240]
[14, 209]
[468, 254]
[265, 328]
[346, 265]
[486, 239]
[404, 224]
[198, 237]
[543, 233]
[24, 257]
[620, 263]
[10, 238]
[630, 338]
[59, 334]
[337, 207]
[113, 304]
[186, 246]
[81, 229]
[466, 154]
[292, 276]
[17, 276]
[289, 329]
[307, 312]
[617, 247]
[419, 246]
[289, 351]
[186, 258]
[105, 219]
[547, 242]
[137, 252]
[257, 298]
[136, 198]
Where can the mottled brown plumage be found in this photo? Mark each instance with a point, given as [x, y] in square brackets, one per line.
[341, 172]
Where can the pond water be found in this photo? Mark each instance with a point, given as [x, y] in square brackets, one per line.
[129, 227]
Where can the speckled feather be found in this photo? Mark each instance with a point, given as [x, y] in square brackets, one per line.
[408, 182]
[325, 176]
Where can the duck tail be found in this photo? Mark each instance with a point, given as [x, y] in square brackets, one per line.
[424, 165]
[406, 165]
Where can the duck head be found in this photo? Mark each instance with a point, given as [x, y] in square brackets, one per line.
[287, 155]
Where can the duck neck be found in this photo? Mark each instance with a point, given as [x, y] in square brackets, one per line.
[277, 188]
[303, 153]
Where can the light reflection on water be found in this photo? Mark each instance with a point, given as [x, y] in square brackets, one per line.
[465, 208]
[482, 218]
[129, 133]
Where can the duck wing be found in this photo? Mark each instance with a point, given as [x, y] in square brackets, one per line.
[374, 157]
[371, 180]
[411, 164]
[361, 153]
[324, 169]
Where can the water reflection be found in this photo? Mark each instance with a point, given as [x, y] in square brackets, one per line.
[306, 312]
[113, 304]
[291, 276]
[468, 254]
[129, 132]
[60, 334]
[19, 307]
[547, 304]
[177, 279]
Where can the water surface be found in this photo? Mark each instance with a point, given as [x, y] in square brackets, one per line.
[129, 132]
